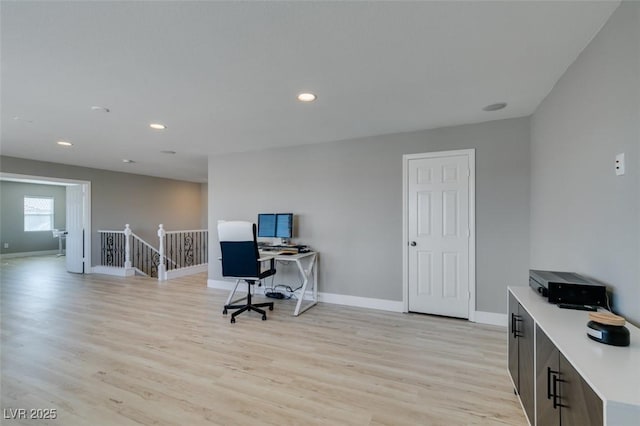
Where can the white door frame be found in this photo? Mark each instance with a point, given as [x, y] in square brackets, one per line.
[86, 207]
[471, 154]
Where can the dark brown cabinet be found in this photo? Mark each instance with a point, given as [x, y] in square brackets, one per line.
[548, 359]
[521, 355]
[564, 378]
[563, 398]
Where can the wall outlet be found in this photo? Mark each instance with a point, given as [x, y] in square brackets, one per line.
[6, 245]
[620, 164]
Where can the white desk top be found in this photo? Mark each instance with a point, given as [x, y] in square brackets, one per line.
[277, 255]
[612, 372]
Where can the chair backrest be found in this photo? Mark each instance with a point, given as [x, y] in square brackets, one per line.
[239, 249]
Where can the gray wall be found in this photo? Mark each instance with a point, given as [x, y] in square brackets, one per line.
[204, 205]
[347, 196]
[12, 217]
[121, 198]
[583, 217]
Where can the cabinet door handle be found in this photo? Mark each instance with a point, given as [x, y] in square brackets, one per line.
[516, 319]
[556, 397]
[549, 379]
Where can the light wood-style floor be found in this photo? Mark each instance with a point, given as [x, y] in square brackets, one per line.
[112, 351]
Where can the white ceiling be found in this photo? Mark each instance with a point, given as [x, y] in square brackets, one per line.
[223, 76]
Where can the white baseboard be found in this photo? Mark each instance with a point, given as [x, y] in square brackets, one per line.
[361, 302]
[336, 299]
[28, 254]
[491, 318]
[190, 270]
[112, 270]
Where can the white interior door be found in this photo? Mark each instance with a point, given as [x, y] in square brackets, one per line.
[75, 228]
[439, 234]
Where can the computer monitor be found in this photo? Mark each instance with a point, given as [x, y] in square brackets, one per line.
[284, 225]
[275, 225]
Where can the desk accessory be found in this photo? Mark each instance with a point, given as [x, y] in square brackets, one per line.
[608, 328]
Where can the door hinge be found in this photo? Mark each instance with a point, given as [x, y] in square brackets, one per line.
[468, 295]
[468, 172]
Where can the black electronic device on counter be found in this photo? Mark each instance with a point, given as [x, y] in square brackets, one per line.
[567, 288]
[608, 334]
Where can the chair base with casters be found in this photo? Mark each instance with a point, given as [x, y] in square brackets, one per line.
[248, 306]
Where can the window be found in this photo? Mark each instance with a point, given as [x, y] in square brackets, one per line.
[38, 214]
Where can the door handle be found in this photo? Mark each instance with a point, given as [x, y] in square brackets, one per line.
[413, 244]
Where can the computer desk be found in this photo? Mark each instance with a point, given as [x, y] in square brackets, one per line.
[307, 264]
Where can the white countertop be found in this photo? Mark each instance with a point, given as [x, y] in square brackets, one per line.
[612, 372]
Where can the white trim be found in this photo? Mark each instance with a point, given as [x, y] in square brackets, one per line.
[490, 318]
[189, 270]
[43, 180]
[39, 180]
[405, 234]
[336, 299]
[28, 254]
[471, 154]
[361, 302]
[185, 231]
[113, 270]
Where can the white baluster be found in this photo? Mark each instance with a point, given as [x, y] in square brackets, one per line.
[127, 247]
[162, 271]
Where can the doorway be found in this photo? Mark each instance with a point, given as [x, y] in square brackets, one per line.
[439, 233]
[78, 217]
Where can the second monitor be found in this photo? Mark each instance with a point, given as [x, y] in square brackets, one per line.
[275, 225]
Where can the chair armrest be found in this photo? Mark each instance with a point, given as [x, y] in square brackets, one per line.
[267, 257]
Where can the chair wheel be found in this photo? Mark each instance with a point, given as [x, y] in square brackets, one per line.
[233, 320]
[264, 318]
[224, 312]
[271, 308]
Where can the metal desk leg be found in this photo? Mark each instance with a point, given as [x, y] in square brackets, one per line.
[312, 269]
[229, 301]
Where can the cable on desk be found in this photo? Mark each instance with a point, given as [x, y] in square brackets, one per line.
[284, 288]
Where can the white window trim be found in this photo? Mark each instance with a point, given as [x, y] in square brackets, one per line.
[52, 215]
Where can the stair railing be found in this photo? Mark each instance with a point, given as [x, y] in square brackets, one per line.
[179, 253]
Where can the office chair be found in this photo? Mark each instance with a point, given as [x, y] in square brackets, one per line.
[240, 260]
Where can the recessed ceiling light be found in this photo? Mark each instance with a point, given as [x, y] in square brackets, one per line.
[157, 126]
[495, 107]
[99, 109]
[168, 152]
[64, 143]
[307, 97]
[126, 160]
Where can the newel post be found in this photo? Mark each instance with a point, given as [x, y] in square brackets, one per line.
[162, 271]
[127, 246]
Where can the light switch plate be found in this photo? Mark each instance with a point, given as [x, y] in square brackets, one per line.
[620, 164]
